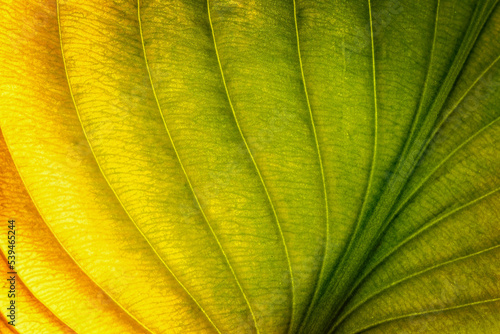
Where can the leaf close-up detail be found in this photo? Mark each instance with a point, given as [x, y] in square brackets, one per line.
[231, 166]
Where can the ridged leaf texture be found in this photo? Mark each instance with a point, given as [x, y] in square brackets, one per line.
[251, 166]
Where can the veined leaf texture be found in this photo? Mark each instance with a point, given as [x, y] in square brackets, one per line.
[250, 166]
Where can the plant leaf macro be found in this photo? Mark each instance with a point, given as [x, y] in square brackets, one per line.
[250, 166]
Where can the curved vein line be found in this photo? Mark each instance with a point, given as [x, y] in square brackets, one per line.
[414, 235]
[327, 236]
[375, 126]
[451, 70]
[10, 328]
[375, 144]
[105, 177]
[436, 99]
[253, 161]
[407, 278]
[438, 166]
[20, 279]
[409, 315]
[189, 181]
[441, 123]
[455, 106]
[375, 141]
[474, 29]
[416, 118]
[359, 218]
[426, 83]
[84, 271]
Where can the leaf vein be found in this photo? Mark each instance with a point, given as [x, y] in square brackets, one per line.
[327, 232]
[427, 177]
[34, 295]
[253, 160]
[409, 315]
[407, 278]
[102, 173]
[412, 236]
[189, 183]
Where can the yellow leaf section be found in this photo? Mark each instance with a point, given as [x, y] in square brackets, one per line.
[47, 144]
[6, 329]
[31, 316]
[51, 275]
[222, 246]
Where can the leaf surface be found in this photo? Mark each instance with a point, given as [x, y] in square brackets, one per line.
[251, 166]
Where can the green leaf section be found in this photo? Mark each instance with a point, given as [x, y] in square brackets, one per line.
[272, 167]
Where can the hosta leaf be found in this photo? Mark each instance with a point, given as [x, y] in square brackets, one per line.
[251, 166]
[68, 289]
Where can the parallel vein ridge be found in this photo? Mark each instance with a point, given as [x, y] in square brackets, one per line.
[189, 181]
[320, 160]
[107, 181]
[253, 161]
